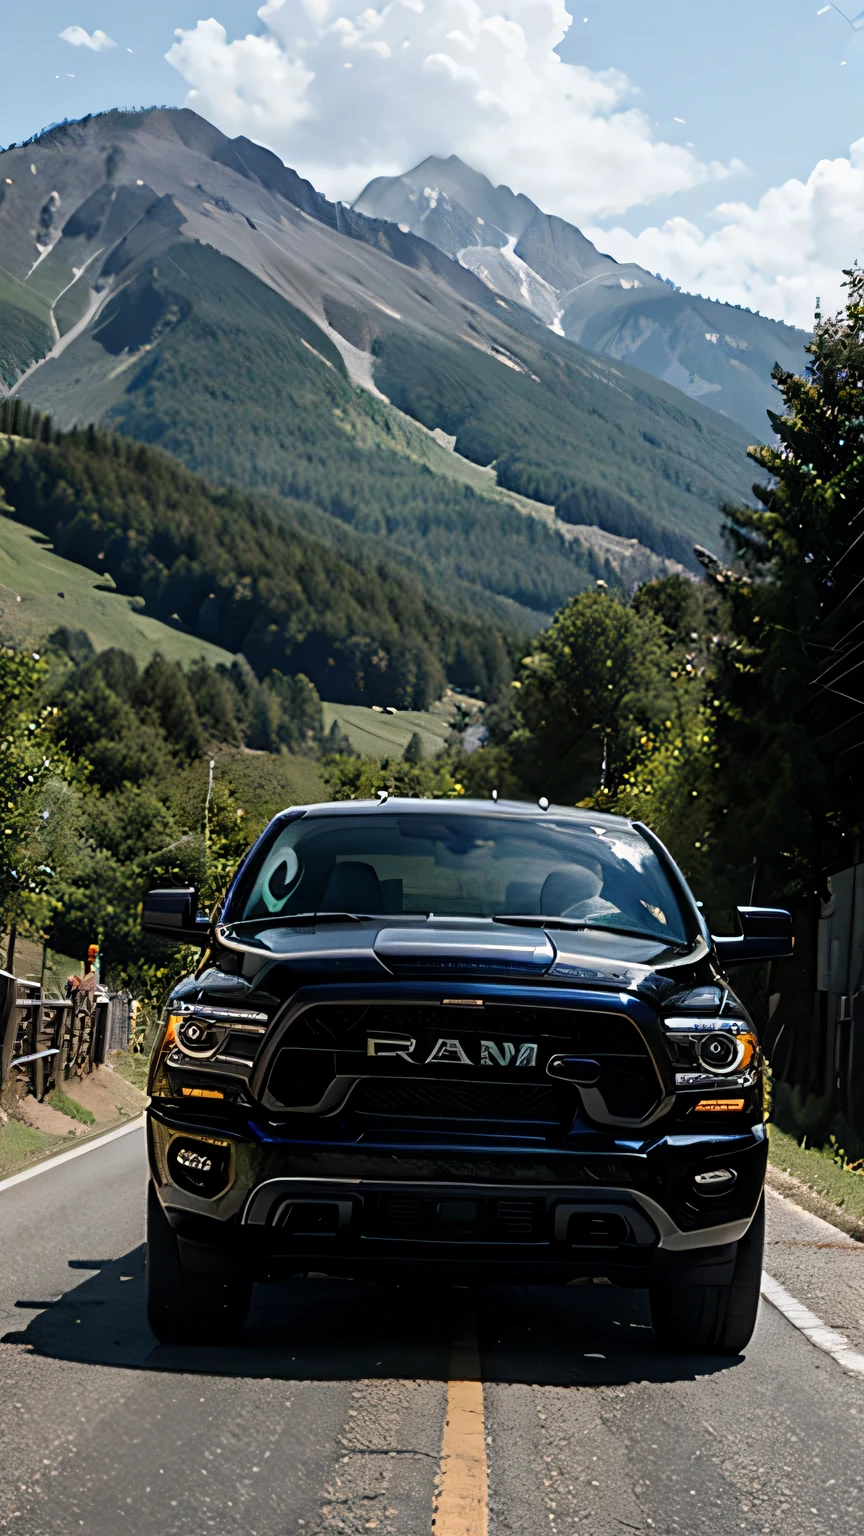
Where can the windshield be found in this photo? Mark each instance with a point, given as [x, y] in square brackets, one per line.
[460, 865]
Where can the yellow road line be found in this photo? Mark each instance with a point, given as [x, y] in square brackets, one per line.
[461, 1505]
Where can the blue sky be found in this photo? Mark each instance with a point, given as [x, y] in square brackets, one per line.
[758, 80]
[766, 90]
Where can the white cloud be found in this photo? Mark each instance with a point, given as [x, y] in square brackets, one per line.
[98, 41]
[434, 77]
[777, 256]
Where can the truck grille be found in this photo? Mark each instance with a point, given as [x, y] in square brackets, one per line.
[532, 1103]
[329, 1042]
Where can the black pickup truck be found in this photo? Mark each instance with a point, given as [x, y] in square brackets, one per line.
[472, 1041]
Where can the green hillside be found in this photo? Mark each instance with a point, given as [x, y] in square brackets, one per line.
[199, 357]
[387, 735]
[277, 344]
[41, 592]
[235, 574]
[633, 457]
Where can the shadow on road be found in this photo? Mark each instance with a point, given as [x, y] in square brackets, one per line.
[337, 1330]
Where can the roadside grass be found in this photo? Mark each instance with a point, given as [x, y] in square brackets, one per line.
[21, 1145]
[66, 1106]
[133, 1066]
[824, 1170]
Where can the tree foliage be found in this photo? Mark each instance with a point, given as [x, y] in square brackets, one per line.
[595, 684]
[36, 803]
[362, 778]
[792, 724]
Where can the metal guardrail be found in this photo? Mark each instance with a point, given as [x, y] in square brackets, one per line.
[46, 1041]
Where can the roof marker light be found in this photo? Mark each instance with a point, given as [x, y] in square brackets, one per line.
[543, 803]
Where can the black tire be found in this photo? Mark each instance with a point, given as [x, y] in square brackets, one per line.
[694, 1311]
[185, 1307]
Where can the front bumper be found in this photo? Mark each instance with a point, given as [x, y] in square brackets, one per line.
[503, 1212]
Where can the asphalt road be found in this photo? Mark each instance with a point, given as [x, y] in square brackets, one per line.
[330, 1418]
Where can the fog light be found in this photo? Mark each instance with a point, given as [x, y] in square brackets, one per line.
[199, 1167]
[715, 1181]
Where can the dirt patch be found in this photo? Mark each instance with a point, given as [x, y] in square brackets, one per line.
[41, 1117]
[106, 1094]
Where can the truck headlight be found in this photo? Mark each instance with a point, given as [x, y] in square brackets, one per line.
[722, 1052]
[721, 1045]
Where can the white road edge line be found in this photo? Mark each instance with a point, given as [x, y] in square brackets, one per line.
[66, 1157]
[825, 1338]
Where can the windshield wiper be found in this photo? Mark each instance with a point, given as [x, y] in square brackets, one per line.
[578, 925]
[289, 918]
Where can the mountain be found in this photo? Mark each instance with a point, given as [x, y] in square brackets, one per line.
[191, 292]
[716, 353]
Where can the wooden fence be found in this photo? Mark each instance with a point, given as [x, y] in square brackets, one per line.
[45, 1041]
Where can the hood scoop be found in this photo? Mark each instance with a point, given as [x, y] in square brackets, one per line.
[455, 952]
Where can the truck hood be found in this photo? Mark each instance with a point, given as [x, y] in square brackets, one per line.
[451, 947]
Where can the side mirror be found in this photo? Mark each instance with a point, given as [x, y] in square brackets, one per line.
[173, 914]
[766, 934]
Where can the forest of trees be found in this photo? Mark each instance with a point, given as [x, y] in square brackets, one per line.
[240, 574]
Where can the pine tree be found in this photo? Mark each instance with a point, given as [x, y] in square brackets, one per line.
[792, 726]
[414, 750]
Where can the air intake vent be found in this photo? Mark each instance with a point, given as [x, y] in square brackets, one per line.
[464, 952]
[458, 966]
[516, 1219]
[422, 1218]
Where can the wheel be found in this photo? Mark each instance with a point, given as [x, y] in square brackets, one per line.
[703, 1305]
[185, 1307]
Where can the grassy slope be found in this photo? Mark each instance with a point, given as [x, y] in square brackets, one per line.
[247, 576]
[30, 570]
[376, 735]
[21, 1145]
[25, 327]
[817, 1169]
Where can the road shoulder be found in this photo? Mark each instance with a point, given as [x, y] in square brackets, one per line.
[34, 1132]
[817, 1264]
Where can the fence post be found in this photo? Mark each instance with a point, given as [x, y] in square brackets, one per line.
[8, 1023]
[99, 1045]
